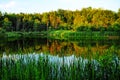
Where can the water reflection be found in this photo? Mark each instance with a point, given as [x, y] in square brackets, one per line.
[57, 47]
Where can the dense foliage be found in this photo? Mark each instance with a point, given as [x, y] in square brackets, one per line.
[85, 19]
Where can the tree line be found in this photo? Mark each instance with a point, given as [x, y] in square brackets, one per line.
[79, 20]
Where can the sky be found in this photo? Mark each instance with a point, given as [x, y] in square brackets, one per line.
[40, 6]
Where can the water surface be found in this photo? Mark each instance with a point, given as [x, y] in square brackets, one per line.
[57, 47]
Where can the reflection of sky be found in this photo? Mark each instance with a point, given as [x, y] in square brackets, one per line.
[31, 6]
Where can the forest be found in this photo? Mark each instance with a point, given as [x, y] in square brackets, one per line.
[80, 20]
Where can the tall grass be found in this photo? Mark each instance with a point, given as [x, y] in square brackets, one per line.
[47, 67]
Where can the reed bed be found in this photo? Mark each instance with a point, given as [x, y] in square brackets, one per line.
[48, 67]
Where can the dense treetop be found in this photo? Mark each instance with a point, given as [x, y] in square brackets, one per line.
[85, 19]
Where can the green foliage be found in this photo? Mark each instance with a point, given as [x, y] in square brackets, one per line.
[36, 25]
[62, 19]
[116, 27]
[17, 35]
[39, 67]
[7, 25]
[83, 34]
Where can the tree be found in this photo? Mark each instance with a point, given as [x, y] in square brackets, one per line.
[79, 21]
[7, 25]
[36, 25]
[18, 22]
[118, 13]
[45, 19]
[62, 19]
[0, 19]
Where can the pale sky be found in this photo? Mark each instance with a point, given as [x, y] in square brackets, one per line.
[39, 6]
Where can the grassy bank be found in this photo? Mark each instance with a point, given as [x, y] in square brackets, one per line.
[82, 35]
[25, 34]
[17, 35]
[64, 35]
[47, 67]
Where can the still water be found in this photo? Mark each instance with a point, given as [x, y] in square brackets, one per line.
[57, 47]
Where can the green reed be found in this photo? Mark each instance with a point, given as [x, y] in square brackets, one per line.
[102, 67]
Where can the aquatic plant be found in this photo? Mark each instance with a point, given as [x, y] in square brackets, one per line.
[48, 67]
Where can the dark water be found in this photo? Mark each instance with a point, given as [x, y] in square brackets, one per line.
[57, 47]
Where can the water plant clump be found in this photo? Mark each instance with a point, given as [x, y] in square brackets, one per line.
[48, 67]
